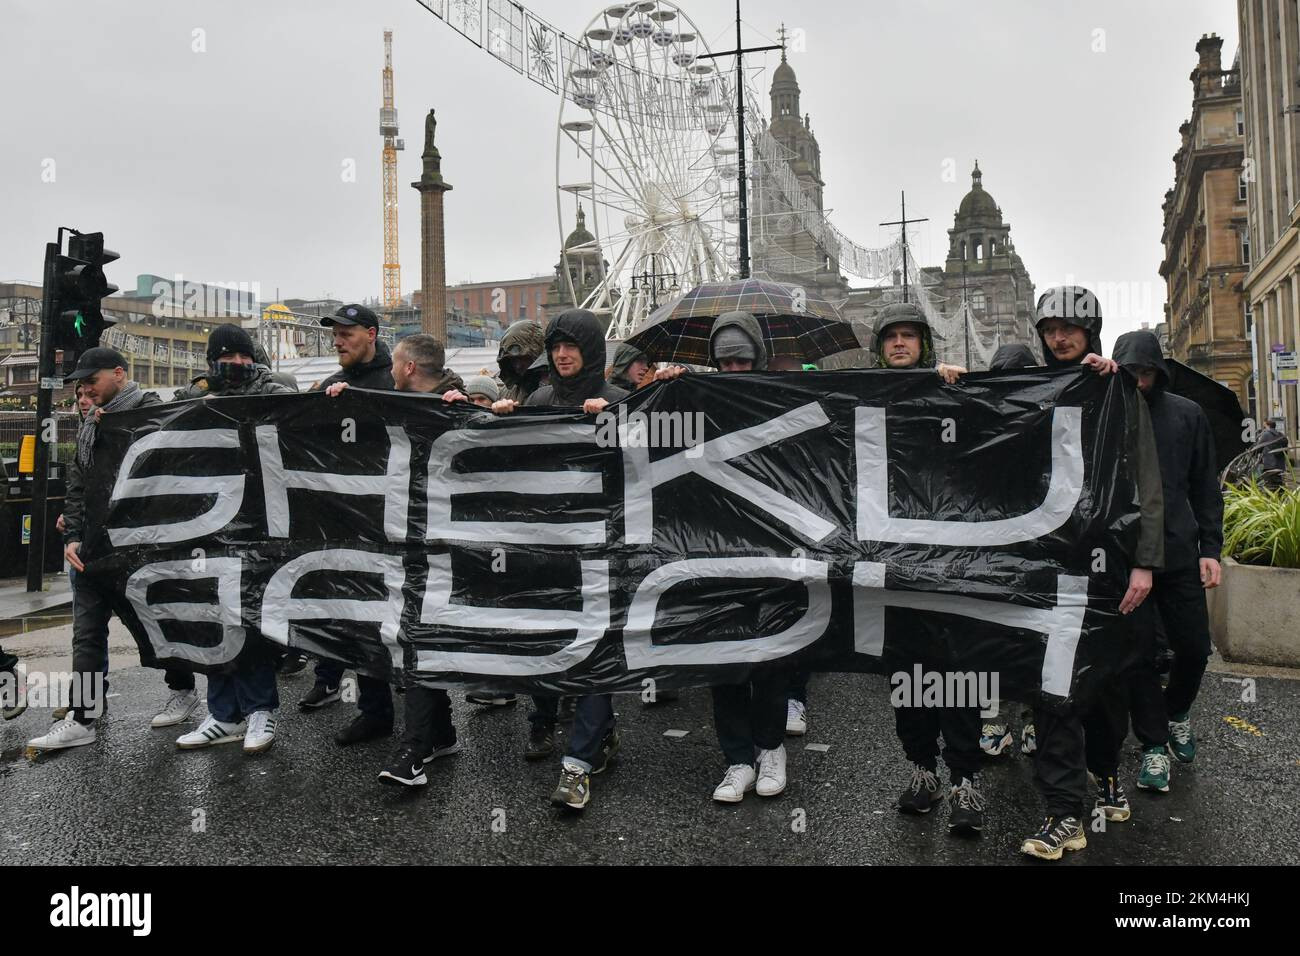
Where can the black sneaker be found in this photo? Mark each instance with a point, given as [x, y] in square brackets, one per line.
[967, 815]
[442, 750]
[541, 742]
[291, 664]
[363, 727]
[404, 769]
[1112, 800]
[608, 748]
[491, 700]
[319, 696]
[922, 792]
[1055, 837]
[574, 789]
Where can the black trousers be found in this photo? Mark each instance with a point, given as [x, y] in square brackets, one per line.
[1060, 771]
[93, 605]
[750, 716]
[919, 729]
[428, 719]
[1179, 599]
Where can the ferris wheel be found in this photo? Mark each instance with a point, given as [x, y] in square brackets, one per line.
[646, 143]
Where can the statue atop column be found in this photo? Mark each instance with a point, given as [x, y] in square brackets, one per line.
[432, 158]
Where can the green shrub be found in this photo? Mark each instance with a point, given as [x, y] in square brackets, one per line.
[1261, 525]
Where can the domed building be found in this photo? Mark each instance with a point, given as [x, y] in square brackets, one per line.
[583, 261]
[984, 271]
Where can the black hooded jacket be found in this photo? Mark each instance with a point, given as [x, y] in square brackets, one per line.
[582, 328]
[753, 331]
[1014, 355]
[1078, 306]
[1193, 502]
[376, 374]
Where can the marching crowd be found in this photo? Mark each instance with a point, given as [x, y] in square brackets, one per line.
[1076, 754]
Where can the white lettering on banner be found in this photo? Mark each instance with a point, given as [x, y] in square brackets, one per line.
[590, 623]
[638, 643]
[444, 483]
[228, 489]
[875, 523]
[280, 607]
[394, 485]
[709, 460]
[1063, 624]
[225, 611]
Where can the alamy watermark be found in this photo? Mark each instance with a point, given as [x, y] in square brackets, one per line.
[621, 429]
[922, 688]
[53, 689]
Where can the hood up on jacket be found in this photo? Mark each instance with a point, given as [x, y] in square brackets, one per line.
[1014, 355]
[1141, 349]
[524, 339]
[582, 328]
[1075, 305]
[623, 359]
[744, 323]
[895, 314]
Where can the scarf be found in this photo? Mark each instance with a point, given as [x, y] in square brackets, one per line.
[127, 397]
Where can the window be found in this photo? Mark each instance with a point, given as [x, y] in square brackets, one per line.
[1245, 247]
[1241, 188]
[1241, 123]
[977, 300]
[1250, 320]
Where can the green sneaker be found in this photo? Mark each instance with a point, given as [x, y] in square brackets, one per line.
[1182, 742]
[1155, 770]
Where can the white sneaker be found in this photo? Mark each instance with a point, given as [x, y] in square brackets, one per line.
[796, 718]
[66, 733]
[739, 780]
[210, 733]
[261, 731]
[771, 771]
[178, 708]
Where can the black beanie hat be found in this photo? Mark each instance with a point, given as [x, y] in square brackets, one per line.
[229, 340]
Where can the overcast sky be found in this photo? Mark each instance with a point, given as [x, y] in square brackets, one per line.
[226, 164]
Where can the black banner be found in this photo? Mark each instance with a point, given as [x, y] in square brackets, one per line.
[859, 520]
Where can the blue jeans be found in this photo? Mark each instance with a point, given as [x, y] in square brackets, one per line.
[593, 719]
[374, 696]
[232, 697]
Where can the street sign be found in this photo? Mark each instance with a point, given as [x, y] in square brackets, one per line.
[54, 384]
[1286, 359]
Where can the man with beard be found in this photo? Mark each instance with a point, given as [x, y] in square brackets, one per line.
[102, 372]
[1070, 745]
[1193, 542]
[366, 363]
[242, 703]
[904, 341]
[575, 350]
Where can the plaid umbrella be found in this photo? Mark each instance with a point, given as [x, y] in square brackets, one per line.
[795, 322]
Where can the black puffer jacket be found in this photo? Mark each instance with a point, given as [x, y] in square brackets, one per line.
[582, 328]
[376, 374]
[1193, 503]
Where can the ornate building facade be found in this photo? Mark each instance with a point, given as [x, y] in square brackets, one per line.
[1205, 257]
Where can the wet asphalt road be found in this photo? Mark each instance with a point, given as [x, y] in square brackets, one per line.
[131, 797]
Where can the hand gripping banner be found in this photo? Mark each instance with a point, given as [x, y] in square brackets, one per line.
[703, 528]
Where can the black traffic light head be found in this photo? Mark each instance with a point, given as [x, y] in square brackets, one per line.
[79, 284]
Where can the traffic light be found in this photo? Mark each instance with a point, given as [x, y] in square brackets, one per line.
[79, 284]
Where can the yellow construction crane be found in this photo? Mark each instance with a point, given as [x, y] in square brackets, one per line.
[388, 129]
